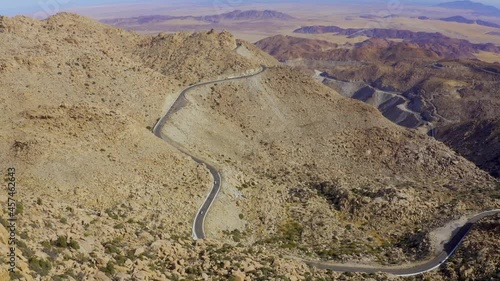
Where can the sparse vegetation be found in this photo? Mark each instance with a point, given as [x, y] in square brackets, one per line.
[109, 269]
[39, 265]
[62, 242]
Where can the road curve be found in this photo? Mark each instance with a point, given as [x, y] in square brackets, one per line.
[199, 221]
[449, 248]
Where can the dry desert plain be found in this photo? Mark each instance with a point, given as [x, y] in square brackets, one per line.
[385, 15]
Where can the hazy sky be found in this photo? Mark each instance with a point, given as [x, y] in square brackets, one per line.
[31, 7]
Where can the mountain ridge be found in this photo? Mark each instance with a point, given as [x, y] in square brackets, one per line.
[445, 46]
[461, 19]
[476, 7]
[234, 15]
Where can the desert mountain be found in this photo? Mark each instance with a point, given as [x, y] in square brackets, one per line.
[306, 172]
[286, 48]
[476, 7]
[461, 19]
[236, 15]
[407, 84]
[444, 46]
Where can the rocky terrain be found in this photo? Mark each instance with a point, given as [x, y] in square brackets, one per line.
[477, 140]
[309, 187]
[411, 85]
[307, 172]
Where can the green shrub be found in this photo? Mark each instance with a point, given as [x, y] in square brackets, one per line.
[27, 252]
[291, 231]
[237, 235]
[19, 208]
[62, 242]
[120, 259]
[40, 266]
[73, 244]
[4, 222]
[109, 269]
[15, 275]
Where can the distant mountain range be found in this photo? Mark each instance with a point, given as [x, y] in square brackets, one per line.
[461, 19]
[476, 7]
[444, 46]
[234, 15]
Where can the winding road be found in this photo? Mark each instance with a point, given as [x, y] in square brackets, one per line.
[199, 221]
[417, 268]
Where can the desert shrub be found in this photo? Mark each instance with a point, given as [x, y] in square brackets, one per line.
[109, 269]
[40, 266]
[62, 242]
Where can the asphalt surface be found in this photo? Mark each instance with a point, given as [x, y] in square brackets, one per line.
[199, 221]
[416, 269]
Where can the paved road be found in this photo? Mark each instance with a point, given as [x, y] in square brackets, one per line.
[199, 221]
[415, 269]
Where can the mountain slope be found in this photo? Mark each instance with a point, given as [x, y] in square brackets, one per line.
[331, 188]
[304, 169]
[477, 140]
[409, 84]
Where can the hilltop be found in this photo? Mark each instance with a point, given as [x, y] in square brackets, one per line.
[306, 172]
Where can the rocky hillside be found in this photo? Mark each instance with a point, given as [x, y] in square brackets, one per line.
[354, 184]
[286, 47]
[410, 84]
[477, 140]
[306, 172]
